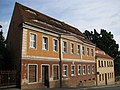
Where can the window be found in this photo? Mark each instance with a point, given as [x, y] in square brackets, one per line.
[88, 69]
[65, 70]
[92, 52]
[108, 75]
[105, 63]
[32, 40]
[79, 49]
[99, 77]
[55, 45]
[93, 69]
[72, 70]
[99, 63]
[88, 52]
[84, 70]
[55, 72]
[45, 43]
[102, 76]
[72, 48]
[83, 51]
[64, 46]
[79, 69]
[32, 73]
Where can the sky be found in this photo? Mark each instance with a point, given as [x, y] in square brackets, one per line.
[82, 14]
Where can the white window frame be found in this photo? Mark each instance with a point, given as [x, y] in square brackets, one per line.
[88, 51]
[72, 70]
[43, 43]
[79, 69]
[79, 49]
[65, 70]
[83, 51]
[93, 69]
[92, 52]
[88, 69]
[72, 48]
[33, 41]
[55, 45]
[64, 47]
[84, 69]
[36, 74]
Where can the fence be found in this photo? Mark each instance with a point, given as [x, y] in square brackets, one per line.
[7, 78]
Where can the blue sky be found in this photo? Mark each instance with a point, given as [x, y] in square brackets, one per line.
[82, 14]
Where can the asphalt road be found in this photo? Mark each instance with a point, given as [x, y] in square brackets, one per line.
[117, 87]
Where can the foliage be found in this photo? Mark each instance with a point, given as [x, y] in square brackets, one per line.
[105, 41]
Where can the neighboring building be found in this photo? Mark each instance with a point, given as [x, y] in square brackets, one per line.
[105, 68]
[41, 45]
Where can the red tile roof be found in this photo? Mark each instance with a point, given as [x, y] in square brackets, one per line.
[38, 19]
[100, 53]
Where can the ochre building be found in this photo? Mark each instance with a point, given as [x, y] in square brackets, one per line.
[105, 68]
[49, 53]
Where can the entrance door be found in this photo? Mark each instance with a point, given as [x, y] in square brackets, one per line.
[45, 75]
[106, 78]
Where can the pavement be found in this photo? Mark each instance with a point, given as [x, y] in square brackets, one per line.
[80, 88]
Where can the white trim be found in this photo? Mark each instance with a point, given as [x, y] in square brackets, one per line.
[55, 59]
[30, 40]
[74, 70]
[48, 70]
[63, 70]
[66, 46]
[83, 68]
[72, 48]
[80, 69]
[89, 69]
[36, 74]
[47, 42]
[57, 44]
[53, 71]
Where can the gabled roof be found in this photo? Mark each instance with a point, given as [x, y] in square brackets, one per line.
[100, 53]
[36, 18]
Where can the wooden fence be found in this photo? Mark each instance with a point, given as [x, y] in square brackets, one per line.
[7, 78]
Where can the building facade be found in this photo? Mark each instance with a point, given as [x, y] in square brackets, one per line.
[105, 68]
[49, 53]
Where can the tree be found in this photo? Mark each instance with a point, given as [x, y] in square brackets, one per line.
[105, 41]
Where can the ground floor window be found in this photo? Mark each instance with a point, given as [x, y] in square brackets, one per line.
[32, 73]
[79, 69]
[84, 70]
[72, 70]
[55, 72]
[100, 77]
[65, 70]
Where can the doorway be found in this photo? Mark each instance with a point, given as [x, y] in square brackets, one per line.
[45, 75]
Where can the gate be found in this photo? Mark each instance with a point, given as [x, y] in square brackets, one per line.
[7, 78]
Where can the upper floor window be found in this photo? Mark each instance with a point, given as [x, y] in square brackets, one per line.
[101, 63]
[105, 63]
[33, 40]
[79, 69]
[55, 45]
[78, 49]
[72, 48]
[88, 52]
[64, 46]
[88, 69]
[45, 43]
[93, 69]
[72, 70]
[65, 70]
[92, 52]
[83, 51]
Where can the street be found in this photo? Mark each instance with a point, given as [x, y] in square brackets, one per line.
[116, 87]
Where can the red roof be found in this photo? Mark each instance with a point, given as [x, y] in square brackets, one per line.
[100, 53]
